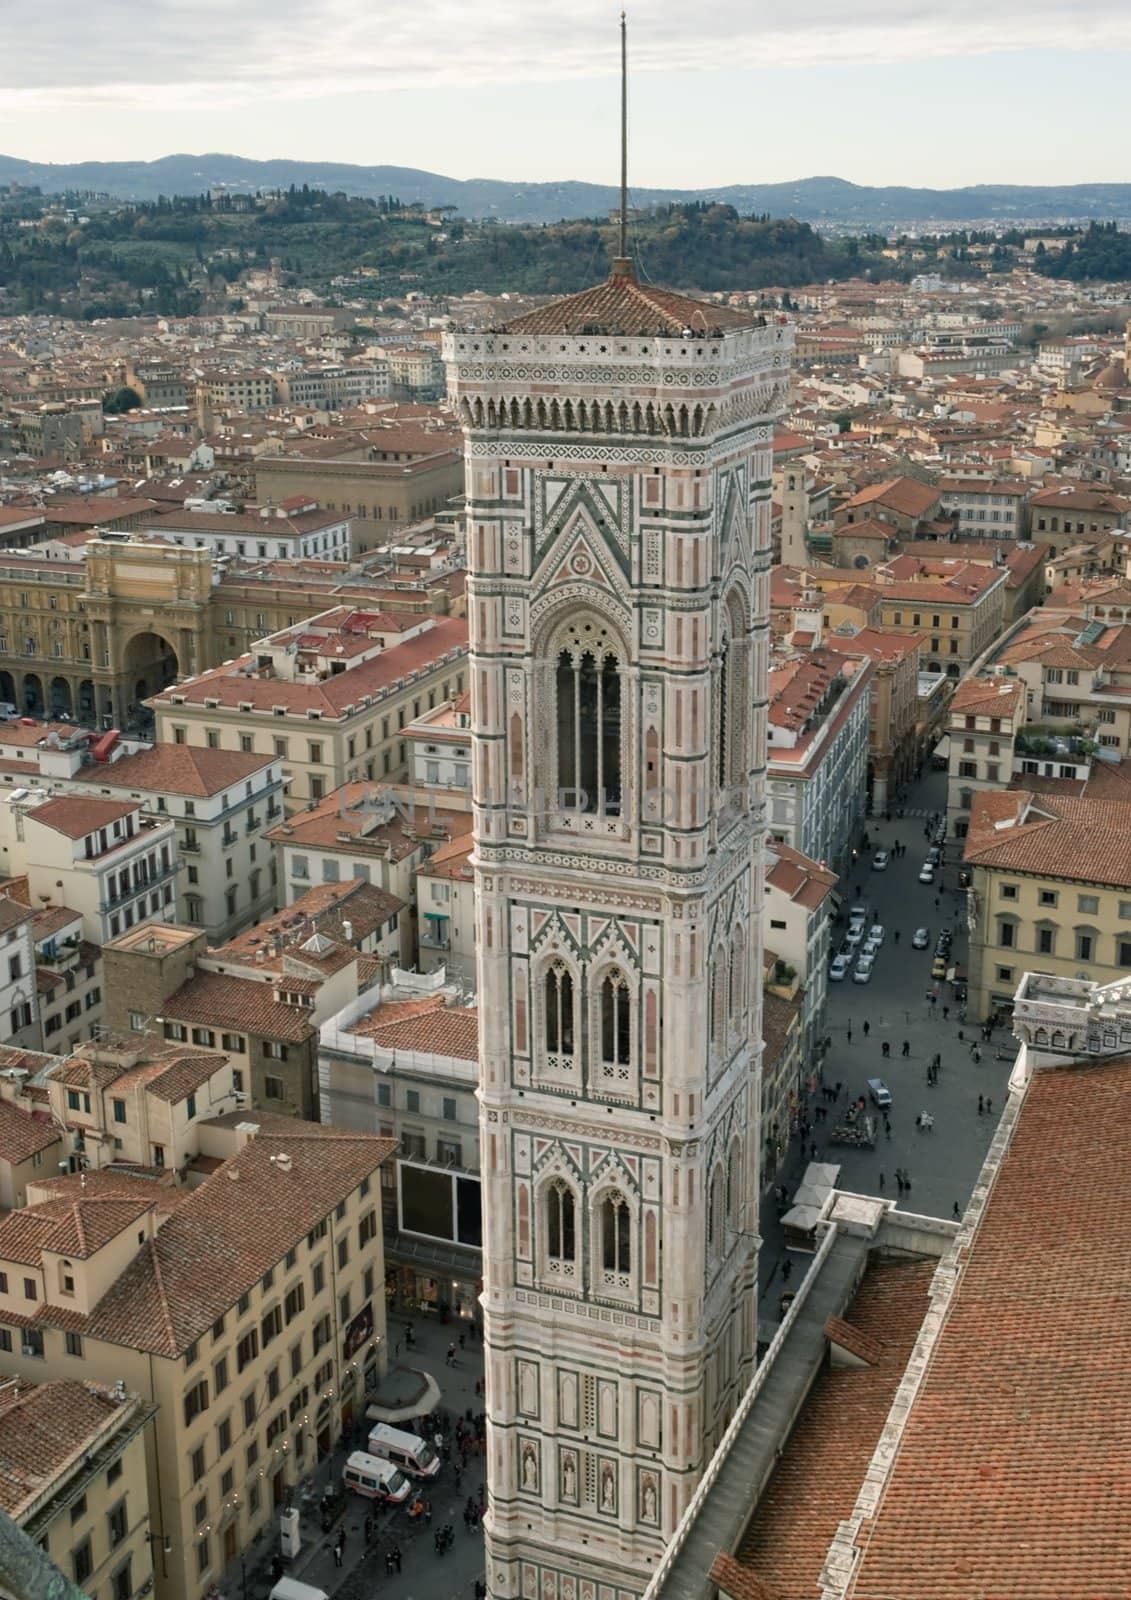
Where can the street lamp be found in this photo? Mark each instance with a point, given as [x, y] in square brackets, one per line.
[166, 1544]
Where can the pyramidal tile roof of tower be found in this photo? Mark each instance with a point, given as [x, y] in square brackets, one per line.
[623, 305]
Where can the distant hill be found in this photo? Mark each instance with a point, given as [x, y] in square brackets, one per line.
[831, 202]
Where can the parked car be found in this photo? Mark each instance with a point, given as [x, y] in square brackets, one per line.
[938, 967]
[934, 855]
[876, 932]
[922, 939]
[839, 969]
[880, 861]
[854, 935]
[927, 873]
[863, 973]
[881, 1094]
[870, 949]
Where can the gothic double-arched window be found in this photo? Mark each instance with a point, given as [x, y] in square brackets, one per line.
[616, 1025]
[616, 1234]
[558, 1002]
[561, 1226]
[589, 721]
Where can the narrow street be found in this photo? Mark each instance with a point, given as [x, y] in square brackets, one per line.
[893, 1007]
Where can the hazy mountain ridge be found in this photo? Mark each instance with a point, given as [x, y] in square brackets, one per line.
[828, 200]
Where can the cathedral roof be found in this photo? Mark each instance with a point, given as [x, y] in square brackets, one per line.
[623, 305]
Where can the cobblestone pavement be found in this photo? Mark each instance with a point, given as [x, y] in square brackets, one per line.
[944, 1163]
[424, 1575]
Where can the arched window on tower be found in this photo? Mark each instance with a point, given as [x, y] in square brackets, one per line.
[561, 1227]
[723, 769]
[616, 1236]
[716, 1214]
[589, 729]
[737, 978]
[616, 1027]
[559, 1010]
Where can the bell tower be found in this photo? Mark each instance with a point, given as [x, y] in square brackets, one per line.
[618, 449]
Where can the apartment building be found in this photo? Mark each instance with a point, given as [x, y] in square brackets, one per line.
[329, 699]
[1049, 891]
[383, 486]
[221, 803]
[986, 715]
[255, 1344]
[983, 508]
[957, 606]
[1077, 676]
[904, 504]
[403, 1061]
[221, 394]
[334, 388]
[75, 1482]
[68, 975]
[132, 1098]
[893, 710]
[260, 997]
[817, 753]
[104, 859]
[439, 743]
[32, 1143]
[294, 531]
[799, 896]
[19, 993]
[1060, 515]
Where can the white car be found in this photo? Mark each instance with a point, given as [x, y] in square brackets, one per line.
[880, 861]
[854, 935]
[863, 973]
[870, 949]
[927, 873]
[839, 969]
[876, 933]
[922, 939]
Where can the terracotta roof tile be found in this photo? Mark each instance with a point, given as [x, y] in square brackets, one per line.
[622, 305]
[1013, 1474]
[43, 1427]
[818, 1477]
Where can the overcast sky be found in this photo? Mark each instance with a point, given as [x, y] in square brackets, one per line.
[935, 92]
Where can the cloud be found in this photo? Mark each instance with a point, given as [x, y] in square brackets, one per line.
[168, 55]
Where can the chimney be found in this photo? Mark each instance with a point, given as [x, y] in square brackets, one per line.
[282, 1161]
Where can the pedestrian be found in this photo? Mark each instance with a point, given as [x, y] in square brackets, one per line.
[906, 1181]
[887, 1127]
[451, 1355]
[906, 1047]
[786, 1268]
[867, 1028]
[849, 1033]
[919, 1120]
[428, 1513]
[989, 1106]
[896, 936]
[957, 1211]
[945, 1012]
[813, 1151]
[881, 1183]
[981, 1104]
[977, 1054]
[395, 1552]
[838, 1089]
[389, 1568]
[339, 1549]
[462, 1337]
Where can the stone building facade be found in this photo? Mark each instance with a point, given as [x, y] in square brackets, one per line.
[618, 475]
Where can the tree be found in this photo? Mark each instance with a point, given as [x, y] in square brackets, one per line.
[115, 401]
